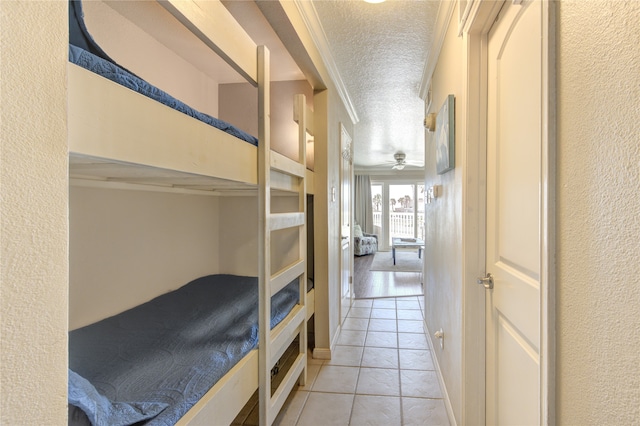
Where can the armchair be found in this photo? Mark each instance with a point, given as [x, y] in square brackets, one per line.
[364, 243]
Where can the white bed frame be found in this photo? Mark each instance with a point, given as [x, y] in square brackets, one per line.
[117, 135]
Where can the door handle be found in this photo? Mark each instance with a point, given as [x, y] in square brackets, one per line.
[486, 281]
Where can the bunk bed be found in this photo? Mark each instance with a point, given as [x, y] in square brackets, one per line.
[119, 135]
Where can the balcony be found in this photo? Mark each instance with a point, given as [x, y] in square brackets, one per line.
[401, 224]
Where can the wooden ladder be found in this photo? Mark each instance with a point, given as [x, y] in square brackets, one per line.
[277, 172]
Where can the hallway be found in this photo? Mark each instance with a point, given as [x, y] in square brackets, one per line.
[381, 373]
[374, 284]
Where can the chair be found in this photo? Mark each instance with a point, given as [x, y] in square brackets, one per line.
[364, 243]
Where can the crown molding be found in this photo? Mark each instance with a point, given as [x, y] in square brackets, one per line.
[310, 17]
[445, 12]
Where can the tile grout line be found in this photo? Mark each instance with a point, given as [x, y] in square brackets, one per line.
[364, 345]
[399, 366]
[361, 359]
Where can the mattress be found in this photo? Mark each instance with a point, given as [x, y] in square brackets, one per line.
[85, 52]
[152, 363]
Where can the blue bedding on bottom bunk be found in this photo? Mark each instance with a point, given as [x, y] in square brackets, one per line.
[169, 351]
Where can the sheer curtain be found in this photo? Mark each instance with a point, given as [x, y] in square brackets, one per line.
[363, 209]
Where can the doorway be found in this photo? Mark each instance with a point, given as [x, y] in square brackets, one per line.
[517, 226]
[398, 210]
[480, 368]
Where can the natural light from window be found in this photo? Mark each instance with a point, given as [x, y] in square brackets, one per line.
[398, 210]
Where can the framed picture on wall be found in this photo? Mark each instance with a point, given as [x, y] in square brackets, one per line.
[445, 136]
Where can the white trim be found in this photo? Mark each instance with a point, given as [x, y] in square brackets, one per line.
[311, 20]
[321, 353]
[463, 14]
[478, 21]
[548, 213]
[106, 184]
[445, 12]
[473, 231]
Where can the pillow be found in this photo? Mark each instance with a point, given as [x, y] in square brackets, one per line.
[357, 231]
[101, 411]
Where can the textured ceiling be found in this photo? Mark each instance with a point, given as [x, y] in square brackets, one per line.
[380, 52]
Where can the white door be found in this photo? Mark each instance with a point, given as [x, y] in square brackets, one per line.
[346, 290]
[516, 194]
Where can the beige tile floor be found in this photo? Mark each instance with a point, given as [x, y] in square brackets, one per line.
[381, 372]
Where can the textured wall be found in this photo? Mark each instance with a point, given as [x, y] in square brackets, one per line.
[443, 221]
[598, 304]
[33, 227]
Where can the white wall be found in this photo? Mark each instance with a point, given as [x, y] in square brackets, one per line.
[135, 49]
[238, 104]
[126, 247]
[443, 224]
[598, 296]
[33, 224]
[129, 246]
[329, 114]
[238, 235]
[598, 182]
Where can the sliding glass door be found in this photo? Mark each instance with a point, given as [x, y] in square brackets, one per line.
[401, 212]
[398, 211]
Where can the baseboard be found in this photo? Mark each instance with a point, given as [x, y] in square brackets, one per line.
[322, 353]
[325, 353]
[443, 387]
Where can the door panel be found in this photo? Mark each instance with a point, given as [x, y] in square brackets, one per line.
[517, 359]
[514, 180]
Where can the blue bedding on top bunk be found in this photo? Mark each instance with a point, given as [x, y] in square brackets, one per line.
[85, 52]
[163, 356]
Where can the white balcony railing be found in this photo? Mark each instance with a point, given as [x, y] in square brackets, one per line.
[377, 219]
[402, 224]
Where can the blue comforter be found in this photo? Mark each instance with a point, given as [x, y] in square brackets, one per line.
[155, 361]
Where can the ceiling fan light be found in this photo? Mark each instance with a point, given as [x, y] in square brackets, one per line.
[374, 1]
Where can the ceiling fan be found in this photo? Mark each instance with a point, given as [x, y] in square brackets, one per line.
[400, 161]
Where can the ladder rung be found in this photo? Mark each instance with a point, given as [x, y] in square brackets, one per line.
[284, 276]
[282, 335]
[284, 182]
[287, 165]
[286, 220]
